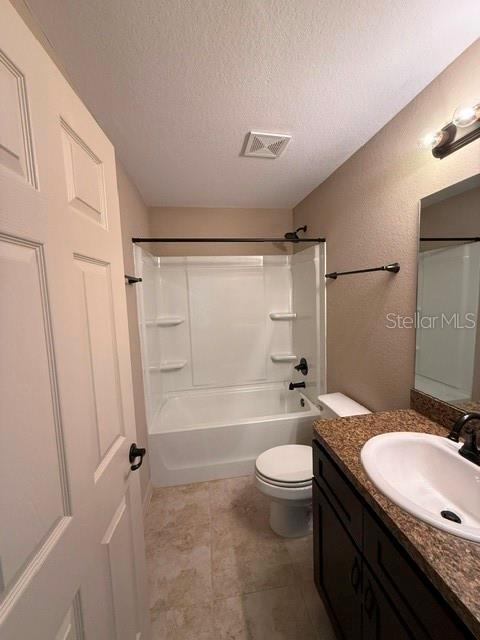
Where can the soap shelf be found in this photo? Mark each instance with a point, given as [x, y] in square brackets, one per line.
[165, 321]
[282, 315]
[168, 365]
[283, 357]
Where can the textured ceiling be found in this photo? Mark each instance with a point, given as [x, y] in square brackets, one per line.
[176, 84]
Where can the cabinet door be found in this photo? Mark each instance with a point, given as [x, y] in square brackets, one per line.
[380, 620]
[338, 568]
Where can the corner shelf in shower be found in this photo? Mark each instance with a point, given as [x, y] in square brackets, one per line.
[165, 321]
[283, 357]
[168, 365]
[282, 315]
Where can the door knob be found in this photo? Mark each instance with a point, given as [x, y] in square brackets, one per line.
[136, 452]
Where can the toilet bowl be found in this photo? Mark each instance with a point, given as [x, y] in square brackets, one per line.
[284, 473]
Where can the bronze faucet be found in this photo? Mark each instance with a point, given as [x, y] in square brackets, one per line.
[469, 450]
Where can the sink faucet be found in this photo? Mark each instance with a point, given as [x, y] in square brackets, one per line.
[296, 385]
[469, 450]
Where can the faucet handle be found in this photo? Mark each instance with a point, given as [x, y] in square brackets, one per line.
[302, 366]
[469, 449]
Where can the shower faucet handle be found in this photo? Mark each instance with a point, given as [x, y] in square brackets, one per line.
[302, 366]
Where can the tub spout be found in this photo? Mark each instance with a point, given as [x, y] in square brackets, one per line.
[296, 385]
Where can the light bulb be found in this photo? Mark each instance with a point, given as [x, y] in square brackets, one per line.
[466, 114]
[432, 139]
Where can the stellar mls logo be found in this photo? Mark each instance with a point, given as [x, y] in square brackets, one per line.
[453, 321]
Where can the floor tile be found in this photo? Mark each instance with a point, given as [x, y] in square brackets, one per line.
[218, 572]
[191, 623]
[275, 614]
[179, 567]
[247, 559]
[316, 611]
[236, 497]
[301, 554]
[176, 506]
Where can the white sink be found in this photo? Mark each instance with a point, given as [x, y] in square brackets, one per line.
[425, 475]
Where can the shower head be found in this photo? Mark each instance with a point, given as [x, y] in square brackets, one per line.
[293, 235]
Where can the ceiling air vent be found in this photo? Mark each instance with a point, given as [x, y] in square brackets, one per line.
[266, 145]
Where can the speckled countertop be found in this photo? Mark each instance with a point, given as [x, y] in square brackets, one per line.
[452, 564]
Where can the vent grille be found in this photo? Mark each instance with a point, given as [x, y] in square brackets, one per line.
[266, 145]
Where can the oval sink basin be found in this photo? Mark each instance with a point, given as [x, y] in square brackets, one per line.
[426, 476]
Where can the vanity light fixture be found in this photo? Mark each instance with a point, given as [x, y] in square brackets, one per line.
[463, 129]
[466, 115]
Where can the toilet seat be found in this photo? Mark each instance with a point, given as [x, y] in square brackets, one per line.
[288, 465]
[279, 483]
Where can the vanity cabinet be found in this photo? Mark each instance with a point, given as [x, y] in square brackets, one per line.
[370, 587]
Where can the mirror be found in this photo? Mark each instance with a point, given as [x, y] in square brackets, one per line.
[447, 359]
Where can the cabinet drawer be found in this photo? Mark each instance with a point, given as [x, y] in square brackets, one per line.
[342, 495]
[414, 598]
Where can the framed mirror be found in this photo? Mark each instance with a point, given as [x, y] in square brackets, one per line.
[447, 359]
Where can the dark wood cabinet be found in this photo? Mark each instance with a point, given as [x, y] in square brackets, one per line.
[380, 620]
[371, 589]
[338, 568]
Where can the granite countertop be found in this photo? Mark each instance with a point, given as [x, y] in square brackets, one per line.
[452, 564]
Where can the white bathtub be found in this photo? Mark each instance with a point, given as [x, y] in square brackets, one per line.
[204, 435]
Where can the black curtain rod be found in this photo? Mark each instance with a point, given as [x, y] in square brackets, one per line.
[393, 268]
[137, 240]
[465, 239]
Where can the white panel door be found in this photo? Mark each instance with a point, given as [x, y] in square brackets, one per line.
[71, 540]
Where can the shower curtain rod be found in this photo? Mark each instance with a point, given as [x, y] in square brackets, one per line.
[294, 241]
[461, 239]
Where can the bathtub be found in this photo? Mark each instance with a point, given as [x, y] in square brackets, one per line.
[205, 435]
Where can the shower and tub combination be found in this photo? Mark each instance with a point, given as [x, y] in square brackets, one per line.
[222, 340]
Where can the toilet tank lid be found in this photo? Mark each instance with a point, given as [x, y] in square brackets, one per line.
[341, 405]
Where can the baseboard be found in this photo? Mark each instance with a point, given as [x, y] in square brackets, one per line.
[147, 498]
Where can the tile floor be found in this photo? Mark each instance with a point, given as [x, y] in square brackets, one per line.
[218, 572]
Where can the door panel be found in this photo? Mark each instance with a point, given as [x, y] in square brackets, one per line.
[119, 543]
[84, 176]
[72, 625]
[97, 298]
[65, 367]
[16, 150]
[32, 464]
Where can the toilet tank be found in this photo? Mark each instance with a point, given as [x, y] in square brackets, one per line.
[337, 405]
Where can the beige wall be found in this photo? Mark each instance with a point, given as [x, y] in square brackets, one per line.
[135, 222]
[204, 222]
[368, 211]
[458, 215]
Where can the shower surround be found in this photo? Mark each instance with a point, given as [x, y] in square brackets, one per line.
[220, 336]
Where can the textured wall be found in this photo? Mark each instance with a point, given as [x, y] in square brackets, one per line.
[204, 222]
[458, 215]
[135, 222]
[368, 211]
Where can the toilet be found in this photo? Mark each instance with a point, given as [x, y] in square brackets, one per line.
[284, 473]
